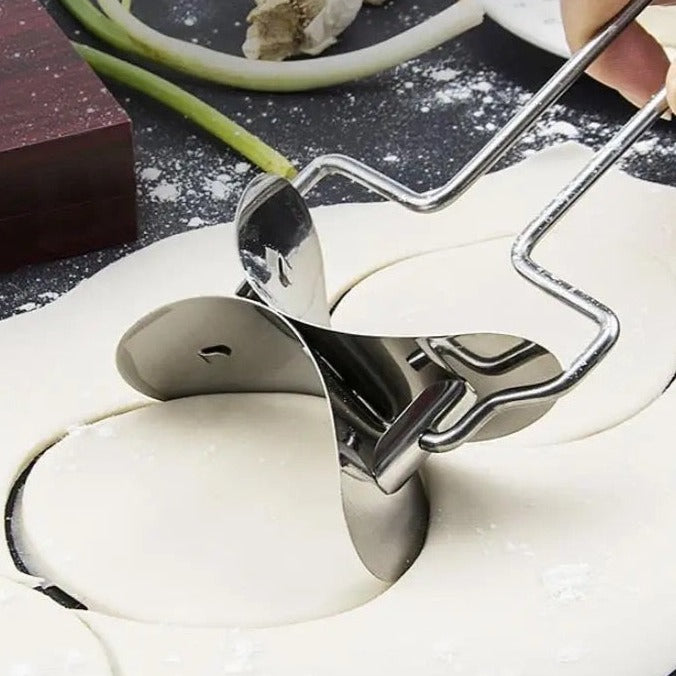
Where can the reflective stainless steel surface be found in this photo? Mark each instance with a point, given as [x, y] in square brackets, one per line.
[377, 384]
[209, 345]
[510, 400]
[392, 400]
[252, 349]
[286, 254]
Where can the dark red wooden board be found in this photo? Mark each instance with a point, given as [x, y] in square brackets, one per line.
[67, 181]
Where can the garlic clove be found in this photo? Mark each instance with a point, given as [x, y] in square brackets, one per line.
[283, 28]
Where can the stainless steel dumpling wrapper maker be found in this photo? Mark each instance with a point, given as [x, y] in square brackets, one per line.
[392, 400]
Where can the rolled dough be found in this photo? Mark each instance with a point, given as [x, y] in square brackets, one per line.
[218, 510]
[540, 560]
[38, 637]
[476, 289]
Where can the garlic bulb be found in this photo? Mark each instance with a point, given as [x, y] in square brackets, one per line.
[283, 28]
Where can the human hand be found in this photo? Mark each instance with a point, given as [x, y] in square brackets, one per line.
[634, 64]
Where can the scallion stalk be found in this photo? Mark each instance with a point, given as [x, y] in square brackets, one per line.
[122, 29]
[204, 115]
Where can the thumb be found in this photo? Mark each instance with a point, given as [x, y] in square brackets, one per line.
[671, 86]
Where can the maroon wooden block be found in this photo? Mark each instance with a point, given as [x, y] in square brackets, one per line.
[67, 182]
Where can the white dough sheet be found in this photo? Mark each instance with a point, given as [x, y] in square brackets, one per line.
[38, 637]
[206, 536]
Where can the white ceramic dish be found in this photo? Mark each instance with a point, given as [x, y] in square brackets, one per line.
[535, 21]
[539, 22]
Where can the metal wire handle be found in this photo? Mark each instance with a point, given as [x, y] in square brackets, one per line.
[492, 152]
[436, 199]
[602, 316]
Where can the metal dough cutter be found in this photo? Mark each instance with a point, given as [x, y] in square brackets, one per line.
[393, 401]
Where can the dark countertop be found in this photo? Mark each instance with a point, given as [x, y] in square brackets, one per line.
[412, 122]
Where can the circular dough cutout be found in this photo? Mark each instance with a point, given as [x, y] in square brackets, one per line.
[474, 289]
[40, 637]
[220, 510]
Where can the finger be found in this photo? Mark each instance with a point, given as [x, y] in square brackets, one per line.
[671, 87]
[634, 64]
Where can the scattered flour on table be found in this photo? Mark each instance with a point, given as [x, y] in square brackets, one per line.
[443, 75]
[219, 188]
[40, 300]
[444, 95]
[28, 307]
[491, 99]
[645, 146]
[561, 128]
[165, 192]
[197, 183]
[48, 296]
[150, 173]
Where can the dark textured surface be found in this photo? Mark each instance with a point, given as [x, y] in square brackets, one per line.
[66, 158]
[385, 120]
[48, 92]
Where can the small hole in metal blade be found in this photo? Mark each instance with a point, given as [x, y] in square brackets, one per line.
[207, 353]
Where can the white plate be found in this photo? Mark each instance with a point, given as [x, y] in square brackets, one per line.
[539, 22]
[535, 21]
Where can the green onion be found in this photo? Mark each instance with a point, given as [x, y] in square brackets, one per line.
[102, 27]
[193, 108]
[125, 31]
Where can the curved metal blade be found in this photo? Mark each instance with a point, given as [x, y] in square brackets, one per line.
[280, 251]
